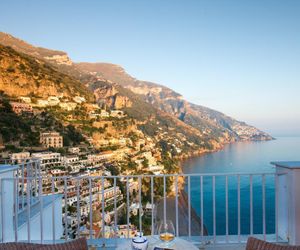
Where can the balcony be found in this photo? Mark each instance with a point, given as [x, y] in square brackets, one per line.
[214, 211]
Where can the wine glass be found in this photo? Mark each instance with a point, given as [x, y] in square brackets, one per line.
[166, 231]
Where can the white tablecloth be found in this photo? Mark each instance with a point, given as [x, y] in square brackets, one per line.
[177, 244]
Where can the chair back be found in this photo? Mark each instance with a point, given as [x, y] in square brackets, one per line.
[256, 244]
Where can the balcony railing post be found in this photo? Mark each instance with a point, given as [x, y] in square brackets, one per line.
[115, 203]
[78, 207]
[91, 208]
[16, 209]
[103, 209]
[176, 207]
[202, 207]
[140, 204]
[127, 204]
[288, 197]
[53, 210]
[214, 206]
[226, 208]
[189, 205]
[2, 211]
[251, 204]
[40, 193]
[152, 207]
[66, 208]
[165, 200]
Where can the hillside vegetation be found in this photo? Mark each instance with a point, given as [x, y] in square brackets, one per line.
[21, 74]
[24, 130]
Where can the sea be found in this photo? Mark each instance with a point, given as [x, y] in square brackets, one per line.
[240, 157]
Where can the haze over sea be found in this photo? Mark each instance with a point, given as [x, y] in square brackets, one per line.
[241, 157]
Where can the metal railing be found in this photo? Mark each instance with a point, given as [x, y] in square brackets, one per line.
[227, 207]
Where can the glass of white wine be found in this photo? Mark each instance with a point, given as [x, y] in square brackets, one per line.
[166, 231]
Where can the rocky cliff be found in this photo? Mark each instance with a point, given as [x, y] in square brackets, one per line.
[22, 75]
[206, 120]
[54, 56]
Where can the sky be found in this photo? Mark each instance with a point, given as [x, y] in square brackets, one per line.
[239, 57]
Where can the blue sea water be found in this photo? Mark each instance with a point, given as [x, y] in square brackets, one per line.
[242, 157]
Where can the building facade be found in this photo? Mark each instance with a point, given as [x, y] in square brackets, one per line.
[51, 139]
[19, 107]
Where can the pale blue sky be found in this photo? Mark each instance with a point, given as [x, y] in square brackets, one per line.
[239, 57]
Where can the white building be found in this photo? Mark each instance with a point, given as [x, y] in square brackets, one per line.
[156, 169]
[109, 193]
[69, 106]
[19, 157]
[42, 103]
[148, 155]
[104, 113]
[70, 159]
[117, 113]
[72, 163]
[74, 150]
[96, 158]
[79, 99]
[48, 159]
[53, 100]
[25, 99]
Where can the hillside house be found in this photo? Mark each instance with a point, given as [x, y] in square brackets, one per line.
[51, 139]
[19, 107]
[104, 113]
[117, 113]
[25, 99]
[69, 106]
[19, 157]
[74, 150]
[48, 159]
[53, 100]
[42, 103]
[79, 99]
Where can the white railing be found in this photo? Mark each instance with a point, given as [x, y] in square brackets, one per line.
[207, 194]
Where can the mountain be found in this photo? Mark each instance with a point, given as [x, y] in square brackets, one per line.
[55, 56]
[204, 119]
[159, 111]
[59, 60]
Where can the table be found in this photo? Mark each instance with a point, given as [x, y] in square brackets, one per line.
[177, 244]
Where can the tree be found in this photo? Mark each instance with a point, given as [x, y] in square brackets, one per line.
[145, 163]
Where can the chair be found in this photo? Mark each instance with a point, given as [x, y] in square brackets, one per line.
[79, 244]
[256, 244]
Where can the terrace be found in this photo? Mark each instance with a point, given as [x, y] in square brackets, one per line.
[219, 211]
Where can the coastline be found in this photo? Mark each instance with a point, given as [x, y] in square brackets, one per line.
[197, 153]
